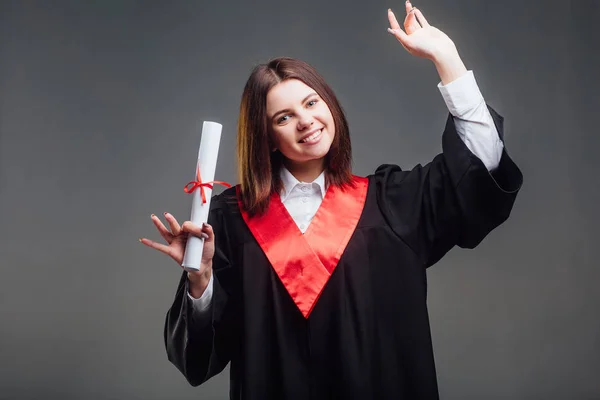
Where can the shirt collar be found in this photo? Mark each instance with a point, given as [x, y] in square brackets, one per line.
[289, 182]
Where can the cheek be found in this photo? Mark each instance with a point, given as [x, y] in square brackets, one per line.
[331, 123]
[282, 137]
[328, 117]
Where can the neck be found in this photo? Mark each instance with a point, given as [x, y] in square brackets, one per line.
[306, 171]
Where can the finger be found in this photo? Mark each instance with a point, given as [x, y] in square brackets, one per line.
[393, 21]
[193, 229]
[410, 23]
[402, 37]
[420, 17]
[162, 229]
[155, 245]
[208, 231]
[173, 224]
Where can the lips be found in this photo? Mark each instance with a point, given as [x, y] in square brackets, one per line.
[311, 136]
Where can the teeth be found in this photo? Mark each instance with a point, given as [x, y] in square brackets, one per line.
[311, 137]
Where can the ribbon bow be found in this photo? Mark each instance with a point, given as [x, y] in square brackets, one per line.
[193, 185]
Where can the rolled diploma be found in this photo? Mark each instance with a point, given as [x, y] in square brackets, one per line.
[207, 161]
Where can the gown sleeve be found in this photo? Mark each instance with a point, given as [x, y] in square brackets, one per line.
[453, 200]
[200, 345]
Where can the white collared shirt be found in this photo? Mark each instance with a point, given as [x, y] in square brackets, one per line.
[473, 123]
[302, 199]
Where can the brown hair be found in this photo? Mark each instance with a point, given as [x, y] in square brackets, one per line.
[258, 166]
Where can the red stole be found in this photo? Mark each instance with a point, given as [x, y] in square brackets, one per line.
[304, 263]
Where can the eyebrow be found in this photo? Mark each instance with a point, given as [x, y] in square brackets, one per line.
[288, 110]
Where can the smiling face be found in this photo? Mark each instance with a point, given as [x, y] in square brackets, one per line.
[301, 123]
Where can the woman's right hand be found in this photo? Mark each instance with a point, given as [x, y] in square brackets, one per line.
[176, 239]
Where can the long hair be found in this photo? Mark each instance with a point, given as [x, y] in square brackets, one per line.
[258, 166]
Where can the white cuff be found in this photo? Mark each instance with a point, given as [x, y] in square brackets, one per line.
[462, 95]
[203, 303]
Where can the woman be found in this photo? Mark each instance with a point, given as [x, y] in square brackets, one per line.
[313, 283]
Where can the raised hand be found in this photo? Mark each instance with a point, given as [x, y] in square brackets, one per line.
[176, 239]
[418, 37]
[423, 40]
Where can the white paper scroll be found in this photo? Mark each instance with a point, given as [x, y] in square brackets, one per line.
[207, 162]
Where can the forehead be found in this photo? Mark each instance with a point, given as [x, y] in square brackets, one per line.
[285, 94]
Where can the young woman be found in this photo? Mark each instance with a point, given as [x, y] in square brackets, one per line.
[313, 282]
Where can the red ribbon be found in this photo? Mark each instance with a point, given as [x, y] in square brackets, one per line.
[199, 184]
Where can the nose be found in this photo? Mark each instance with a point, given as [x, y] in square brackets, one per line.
[305, 120]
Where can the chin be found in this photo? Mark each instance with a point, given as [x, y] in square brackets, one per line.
[316, 155]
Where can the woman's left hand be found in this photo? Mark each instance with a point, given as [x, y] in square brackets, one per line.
[420, 38]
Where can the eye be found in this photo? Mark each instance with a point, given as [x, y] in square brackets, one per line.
[282, 119]
[312, 102]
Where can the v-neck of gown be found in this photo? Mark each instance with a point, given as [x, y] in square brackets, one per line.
[304, 262]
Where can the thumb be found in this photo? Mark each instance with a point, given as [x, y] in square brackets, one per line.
[193, 229]
[401, 36]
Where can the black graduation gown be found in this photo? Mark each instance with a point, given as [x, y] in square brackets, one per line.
[368, 336]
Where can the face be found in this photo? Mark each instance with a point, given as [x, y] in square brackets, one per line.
[301, 122]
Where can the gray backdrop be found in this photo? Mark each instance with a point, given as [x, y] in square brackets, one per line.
[101, 104]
